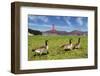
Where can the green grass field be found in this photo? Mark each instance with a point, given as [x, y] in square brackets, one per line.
[54, 43]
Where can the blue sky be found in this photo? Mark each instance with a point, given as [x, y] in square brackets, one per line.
[62, 23]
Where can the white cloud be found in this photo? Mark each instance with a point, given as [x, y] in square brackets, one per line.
[67, 20]
[58, 17]
[65, 28]
[32, 17]
[37, 25]
[79, 21]
[42, 18]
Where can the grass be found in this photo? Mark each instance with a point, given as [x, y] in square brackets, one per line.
[55, 52]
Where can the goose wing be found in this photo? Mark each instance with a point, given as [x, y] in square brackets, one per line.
[76, 45]
[39, 48]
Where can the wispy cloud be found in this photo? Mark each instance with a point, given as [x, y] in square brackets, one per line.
[42, 27]
[58, 17]
[64, 28]
[43, 18]
[67, 20]
[36, 18]
[79, 21]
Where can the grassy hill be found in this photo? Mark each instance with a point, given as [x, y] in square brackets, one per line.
[55, 52]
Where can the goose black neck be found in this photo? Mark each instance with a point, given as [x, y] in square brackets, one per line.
[46, 42]
[70, 41]
[79, 40]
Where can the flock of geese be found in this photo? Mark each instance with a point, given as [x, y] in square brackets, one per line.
[68, 46]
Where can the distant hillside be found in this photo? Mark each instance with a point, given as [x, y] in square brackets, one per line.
[75, 32]
[56, 32]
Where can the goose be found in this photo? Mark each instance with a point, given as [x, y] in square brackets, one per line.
[68, 46]
[77, 45]
[42, 49]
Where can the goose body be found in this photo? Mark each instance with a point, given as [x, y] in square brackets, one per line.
[77, 46]
[42, 49]
[68, 46]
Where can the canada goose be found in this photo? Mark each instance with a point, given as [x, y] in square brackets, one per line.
[68, 46]
[41, 50]
[77, 45]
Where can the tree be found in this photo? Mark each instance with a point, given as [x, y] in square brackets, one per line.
[34, 32]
